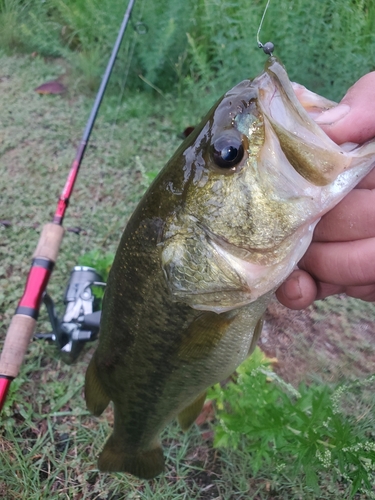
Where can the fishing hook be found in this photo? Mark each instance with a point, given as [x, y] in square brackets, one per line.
[139, 27]
[268, 47]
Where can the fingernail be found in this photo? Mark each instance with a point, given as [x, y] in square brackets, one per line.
[333, 115]
[292, 289]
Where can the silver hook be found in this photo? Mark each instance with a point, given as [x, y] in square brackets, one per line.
[268, 47]
[139, 27]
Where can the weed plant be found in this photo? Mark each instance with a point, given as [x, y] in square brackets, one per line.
[199, 48]
[99, 260]
[302, 433]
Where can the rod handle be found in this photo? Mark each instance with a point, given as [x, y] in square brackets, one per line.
[49, 242]
[18, 337]
[22, 326]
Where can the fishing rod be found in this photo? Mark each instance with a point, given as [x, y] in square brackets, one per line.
[22, 325]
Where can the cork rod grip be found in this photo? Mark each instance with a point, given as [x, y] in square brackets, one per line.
[49, 242]
[22, 326]
[18, 337]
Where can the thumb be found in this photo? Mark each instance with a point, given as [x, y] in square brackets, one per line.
[353, 119]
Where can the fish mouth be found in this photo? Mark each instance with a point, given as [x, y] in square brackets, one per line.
[303, 103]
[306, 146]
[291, 105]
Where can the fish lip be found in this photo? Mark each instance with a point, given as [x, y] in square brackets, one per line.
[235, 250]
[307, 148]
[279, 79]
[278, 101]
[276, 94]
[258, 279]
[217, 239]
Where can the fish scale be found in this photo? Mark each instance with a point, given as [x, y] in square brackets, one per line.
[223, 224]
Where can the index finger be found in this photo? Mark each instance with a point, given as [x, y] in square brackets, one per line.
[357, 123]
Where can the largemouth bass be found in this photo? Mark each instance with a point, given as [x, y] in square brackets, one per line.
[223, 224]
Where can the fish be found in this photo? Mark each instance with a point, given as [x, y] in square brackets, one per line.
[223, 224]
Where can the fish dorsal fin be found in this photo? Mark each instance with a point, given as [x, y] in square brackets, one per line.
[204, 334]
[188, 415]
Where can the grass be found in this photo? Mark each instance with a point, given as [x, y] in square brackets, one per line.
[204, 46]
[48, 442]
[43, 152]
[48, 447]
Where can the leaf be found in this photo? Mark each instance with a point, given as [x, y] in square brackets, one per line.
[51, 87]
[357, 483]
[312, 479]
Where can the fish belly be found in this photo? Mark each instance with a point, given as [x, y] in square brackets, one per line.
[134, 446]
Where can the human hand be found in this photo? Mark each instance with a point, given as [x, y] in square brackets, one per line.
[341, 257]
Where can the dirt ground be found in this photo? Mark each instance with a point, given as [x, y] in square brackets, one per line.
[331, 340]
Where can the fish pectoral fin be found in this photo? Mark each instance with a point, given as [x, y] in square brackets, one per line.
[145, 464]
[256, 335]
[95, 395]
[204, 333]
[188, 415]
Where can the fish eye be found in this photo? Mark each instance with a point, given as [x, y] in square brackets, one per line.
[227, 152]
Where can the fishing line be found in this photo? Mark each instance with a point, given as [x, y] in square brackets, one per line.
[139, 28]
[268, 47]
[137, 31]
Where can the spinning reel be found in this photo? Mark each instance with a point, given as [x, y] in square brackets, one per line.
[81, 319]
